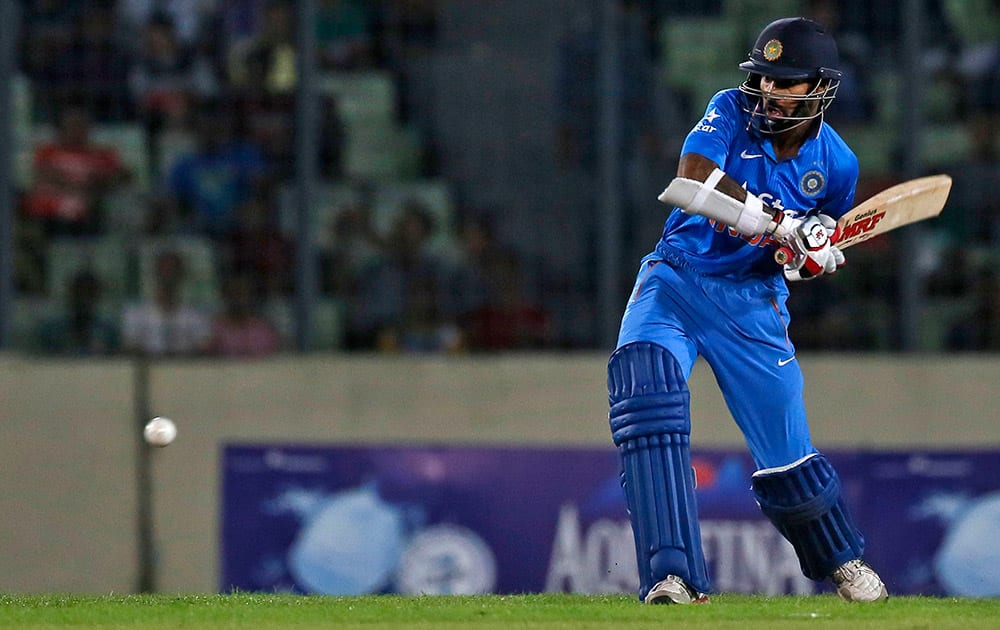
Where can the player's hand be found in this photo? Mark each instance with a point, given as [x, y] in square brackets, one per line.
[815, 252]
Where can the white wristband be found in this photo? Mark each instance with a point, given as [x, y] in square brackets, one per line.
[753, 220]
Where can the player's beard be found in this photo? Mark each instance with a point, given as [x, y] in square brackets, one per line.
[771, 124]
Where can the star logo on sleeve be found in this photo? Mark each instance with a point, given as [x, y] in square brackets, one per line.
[712, 115]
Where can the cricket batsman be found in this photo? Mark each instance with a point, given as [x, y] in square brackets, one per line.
[761, 168]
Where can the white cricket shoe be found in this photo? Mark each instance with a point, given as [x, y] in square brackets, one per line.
[673, 590]
[858, 582]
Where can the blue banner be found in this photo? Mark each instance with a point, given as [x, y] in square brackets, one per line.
[463, 520]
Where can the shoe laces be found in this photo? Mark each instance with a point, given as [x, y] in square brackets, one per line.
[850, 570]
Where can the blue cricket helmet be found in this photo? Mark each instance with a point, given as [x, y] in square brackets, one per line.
[791, 49]
[794, 48]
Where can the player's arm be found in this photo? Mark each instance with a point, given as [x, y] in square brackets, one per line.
[698, 167]
[702, 188]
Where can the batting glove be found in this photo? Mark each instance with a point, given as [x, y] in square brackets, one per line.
[816, 253]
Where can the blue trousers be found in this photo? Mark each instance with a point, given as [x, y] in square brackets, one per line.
[740, 328]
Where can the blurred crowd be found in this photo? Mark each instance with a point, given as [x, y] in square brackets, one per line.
[157, 147]
[175, 239]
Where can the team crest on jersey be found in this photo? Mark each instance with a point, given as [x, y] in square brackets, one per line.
[772, 50]
[812, 183]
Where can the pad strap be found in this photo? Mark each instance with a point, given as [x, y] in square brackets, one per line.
[711, 182]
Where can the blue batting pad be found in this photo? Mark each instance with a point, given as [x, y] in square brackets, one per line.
[651, 426]
[804, 503]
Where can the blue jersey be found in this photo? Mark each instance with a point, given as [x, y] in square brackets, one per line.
[821, 178]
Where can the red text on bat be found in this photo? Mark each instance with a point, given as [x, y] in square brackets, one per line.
[865, 225]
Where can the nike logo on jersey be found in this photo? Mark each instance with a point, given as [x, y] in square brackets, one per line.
[750, 156]
[784, 362]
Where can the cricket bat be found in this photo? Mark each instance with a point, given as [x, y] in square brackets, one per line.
[902, 204]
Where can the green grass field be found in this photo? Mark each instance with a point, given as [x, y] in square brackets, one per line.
[487, 611]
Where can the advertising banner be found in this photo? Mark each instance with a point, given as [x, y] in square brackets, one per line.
[464, 520]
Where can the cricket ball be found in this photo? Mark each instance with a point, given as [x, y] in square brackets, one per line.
[159, 431]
